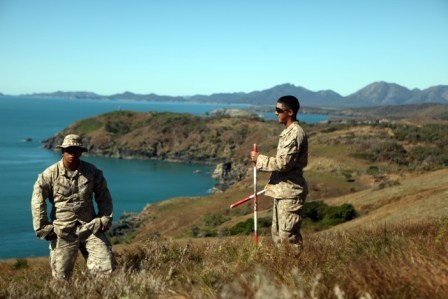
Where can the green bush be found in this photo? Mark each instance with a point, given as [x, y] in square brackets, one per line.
[432, 133]
[317, 214]
[242, 228]
[428, 158]
[418, 148]
[118, 128]
[314, 210]
[200, 232]
[21, 264]
[247, 227]
[364, 155]
[333, 128]
[389, 151]
[373, 170]
[335, 215]
[321, 215]
[214, 219]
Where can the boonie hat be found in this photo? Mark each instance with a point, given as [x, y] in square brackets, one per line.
[72, 140]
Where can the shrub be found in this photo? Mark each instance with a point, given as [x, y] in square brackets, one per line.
[201, 232]
[242, 228]
[214, 219]
[335, 215]
[432, 133]
[319, 216]
[314, 210]
[390, 151]
[247, 227]
[364, 155]
[428, 158]
[373, 170]
[323, 216]
[21, 264]
[118, 128]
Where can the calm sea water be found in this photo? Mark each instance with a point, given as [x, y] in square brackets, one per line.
[133, 183]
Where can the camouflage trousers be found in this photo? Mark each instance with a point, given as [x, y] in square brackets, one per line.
[286, 221]
[96, 249]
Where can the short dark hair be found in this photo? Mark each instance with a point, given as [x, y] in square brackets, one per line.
[290, 102]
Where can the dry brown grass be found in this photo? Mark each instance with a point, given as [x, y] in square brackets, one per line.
[397, 261]
[414, 198]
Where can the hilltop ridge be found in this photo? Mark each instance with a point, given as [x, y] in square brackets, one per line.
[375, 94]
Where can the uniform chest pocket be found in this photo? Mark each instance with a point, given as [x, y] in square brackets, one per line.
[287, 145]
[63, 187]
[85, 185]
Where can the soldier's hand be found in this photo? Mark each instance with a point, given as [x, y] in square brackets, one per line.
[103, 228]
[51, 236]
[254, 156]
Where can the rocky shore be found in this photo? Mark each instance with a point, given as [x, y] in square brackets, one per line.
[219, 140]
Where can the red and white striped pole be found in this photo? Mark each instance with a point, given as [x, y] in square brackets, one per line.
[255, 200]
[241, 201]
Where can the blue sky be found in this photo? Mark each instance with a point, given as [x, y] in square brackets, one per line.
[179, 47]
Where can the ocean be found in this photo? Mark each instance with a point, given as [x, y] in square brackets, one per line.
[26, 121]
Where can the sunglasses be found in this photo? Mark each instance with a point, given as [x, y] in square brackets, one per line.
[279, 110]
[73, 150]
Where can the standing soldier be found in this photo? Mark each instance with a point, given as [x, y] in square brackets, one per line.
[287, 185]
[69, 186]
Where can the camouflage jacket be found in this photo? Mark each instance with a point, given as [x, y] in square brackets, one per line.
[71, 199]
[287, 180]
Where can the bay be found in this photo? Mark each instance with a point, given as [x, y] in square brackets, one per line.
[26, 121]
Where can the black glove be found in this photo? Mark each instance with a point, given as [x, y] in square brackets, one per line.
[51, 236]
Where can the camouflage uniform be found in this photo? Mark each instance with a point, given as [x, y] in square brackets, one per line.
[73, 217]
[287, 185]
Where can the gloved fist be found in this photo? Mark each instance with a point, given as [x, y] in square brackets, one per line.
[51, 236]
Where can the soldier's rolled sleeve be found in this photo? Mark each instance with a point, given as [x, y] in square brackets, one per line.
[41, 192]
[283, 161]
[104, 200]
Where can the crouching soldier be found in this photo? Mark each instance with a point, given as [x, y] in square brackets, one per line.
[70, 186]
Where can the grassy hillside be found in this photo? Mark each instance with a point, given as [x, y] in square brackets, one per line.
[397, 261]
[416, 198]
[394, 175]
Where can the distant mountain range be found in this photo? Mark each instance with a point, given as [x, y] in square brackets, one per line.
[375, 94]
